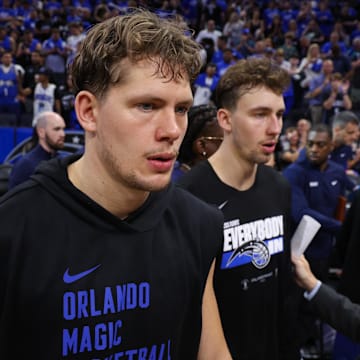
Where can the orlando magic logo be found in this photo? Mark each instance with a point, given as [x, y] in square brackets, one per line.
[256, 249]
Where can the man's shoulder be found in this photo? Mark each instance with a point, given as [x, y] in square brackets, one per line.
[191, 204]
[25, 164]
[18, 200]
[294, 170]
[34, 155]
[272, 176]
[334, 166]
[196, 174]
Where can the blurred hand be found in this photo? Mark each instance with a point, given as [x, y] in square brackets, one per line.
[303, 275]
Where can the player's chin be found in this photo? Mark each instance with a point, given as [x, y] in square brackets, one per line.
[263, 158]
[159, 182]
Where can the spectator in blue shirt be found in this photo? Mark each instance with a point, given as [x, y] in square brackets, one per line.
[335, 97]
[325, 18]
[345, 127]
[334, 39]
[50, 131]
[228, 60]
[205, 85]
[317, 86]
[317, 184]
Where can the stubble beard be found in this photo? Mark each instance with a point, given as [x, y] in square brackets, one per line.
[128, 177]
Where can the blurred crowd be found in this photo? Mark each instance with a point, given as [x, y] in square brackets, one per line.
[318, 42]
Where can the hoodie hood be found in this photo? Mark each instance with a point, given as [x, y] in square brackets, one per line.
[52, 176]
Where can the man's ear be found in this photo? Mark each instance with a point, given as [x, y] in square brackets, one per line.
[85, 106]
[224, 119]
[40, 132]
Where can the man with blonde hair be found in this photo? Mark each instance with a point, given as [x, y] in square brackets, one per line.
[109, 262]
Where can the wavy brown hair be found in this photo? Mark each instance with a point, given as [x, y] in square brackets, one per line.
[139, 35]
[249, 74]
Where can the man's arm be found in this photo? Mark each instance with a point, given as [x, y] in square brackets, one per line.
[212, 343]
[337, 310]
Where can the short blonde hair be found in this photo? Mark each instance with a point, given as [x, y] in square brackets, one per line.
[139, 35]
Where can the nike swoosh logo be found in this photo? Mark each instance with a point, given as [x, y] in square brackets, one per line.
[69, 279]
[222, 205]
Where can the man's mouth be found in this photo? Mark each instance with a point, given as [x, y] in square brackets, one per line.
[162, 162]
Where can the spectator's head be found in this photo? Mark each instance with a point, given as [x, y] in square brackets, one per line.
[303, 126]
[50, 128]
[336, 80]
[313, 51]
[327, 67]
[28, 34]
[294, 60]
[210, 69]
[279, 55]
[211, 25]
[289, 37]
[6, 58]
[222, 42]
[334, 37]
[234, 17]
[304, 42]
[55, 33]
[292, 135]
[260, 46]
[319, 145]
[228, 55]
[75, 28]
[356, 43]
[36, 57]
[203, 135]
[44, 74]
[110, 47]
[269, 53]
[345, 127]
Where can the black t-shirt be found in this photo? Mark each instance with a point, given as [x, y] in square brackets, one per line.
[253, 269]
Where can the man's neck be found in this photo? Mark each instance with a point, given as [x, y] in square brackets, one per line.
[47, 148]
[104, 190]
[232, 170]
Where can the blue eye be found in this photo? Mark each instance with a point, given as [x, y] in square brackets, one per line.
[182, 110]
[146, 107]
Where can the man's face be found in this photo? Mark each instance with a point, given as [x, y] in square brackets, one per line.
[35, 58]
[350, 133]
[318, 148]
[210, 70]
[328, 67]
[347, 135]
[54, 133]
[139, 127]
[303, 126]
[256, 125]
[6, 59]
[211, 25]
[293, 137]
